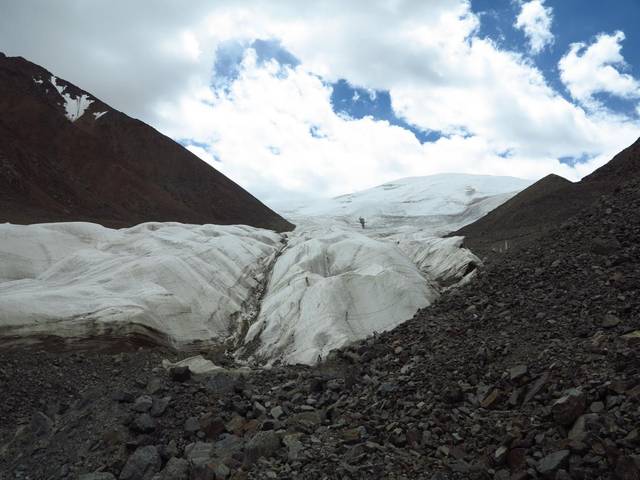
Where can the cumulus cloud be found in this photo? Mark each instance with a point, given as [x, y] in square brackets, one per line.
[535, 21]
[597, 68]
[269, 123]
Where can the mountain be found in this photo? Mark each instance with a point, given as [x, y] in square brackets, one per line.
[530, 371]
[67, 156]
[545, 205]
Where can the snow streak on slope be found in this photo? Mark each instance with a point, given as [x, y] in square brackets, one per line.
[330, 288]
[177, 283]
[75, 107]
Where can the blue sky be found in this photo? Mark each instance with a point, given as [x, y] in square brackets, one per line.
[297, 100]
[574, 21]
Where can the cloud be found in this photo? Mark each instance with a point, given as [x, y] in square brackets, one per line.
[247, 87]
[587, 70]
[535, 21]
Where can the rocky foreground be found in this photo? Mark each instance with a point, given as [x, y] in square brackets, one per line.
[530, 371]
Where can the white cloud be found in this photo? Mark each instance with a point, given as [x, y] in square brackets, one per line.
[596, 68]
[535, 21]
[275, 132]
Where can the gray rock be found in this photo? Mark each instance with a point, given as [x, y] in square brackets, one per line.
[159, 406]
[610, 321]
[154, 385]
[191, 425]
[517, 372]
[569, 407]
[143, 424]
[294, 445]
[263, 444]
[198, 453]
[176, 469]
[597, 407]
[552, 462]
[536, 387]
[143, 464]
[224, 381]
[277, 412]
[580, 429]
[227, 445]
[143, 403]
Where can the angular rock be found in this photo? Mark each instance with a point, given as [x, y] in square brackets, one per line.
[536, 387]
[277, 412]
[143, 424]
[212, 426]
[176, 469]
[143, 403]
[159, 406]
[191, 425]
[553, 462]
[569, 407]
[580, 430]
[142, 464]
[263, 444]
[610, 321]
[294, 446]
[227, 446]
[490, 400]
[517, 372]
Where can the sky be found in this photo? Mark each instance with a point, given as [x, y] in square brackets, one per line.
[296, 100]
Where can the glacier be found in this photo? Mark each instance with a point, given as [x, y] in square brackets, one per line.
[265, 297]
[180, 285]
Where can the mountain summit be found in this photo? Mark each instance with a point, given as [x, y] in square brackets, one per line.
[67, 156]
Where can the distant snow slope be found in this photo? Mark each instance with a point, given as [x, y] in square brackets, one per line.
[175, 283]
[438, 202]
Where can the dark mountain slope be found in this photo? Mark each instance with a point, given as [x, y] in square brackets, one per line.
[102, 167]
[545, 205]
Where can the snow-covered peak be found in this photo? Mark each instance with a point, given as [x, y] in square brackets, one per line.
[443, 194]
[74, 106]
[437, 203]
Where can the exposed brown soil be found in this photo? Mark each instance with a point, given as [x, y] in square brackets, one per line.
[114, 170]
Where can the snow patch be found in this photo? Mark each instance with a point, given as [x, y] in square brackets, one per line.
[38, 81]
[97, 115]
[74, 106]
